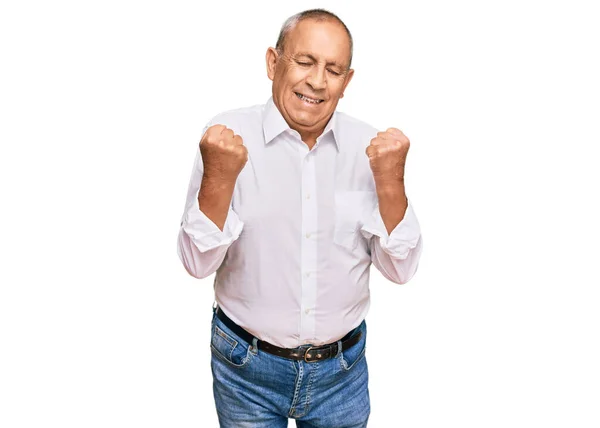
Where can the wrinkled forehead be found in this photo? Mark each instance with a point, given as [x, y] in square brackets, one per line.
[325, 40]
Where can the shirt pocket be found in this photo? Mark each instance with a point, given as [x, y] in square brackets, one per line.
[351, 209]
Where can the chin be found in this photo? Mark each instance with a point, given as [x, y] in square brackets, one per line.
[306, 122]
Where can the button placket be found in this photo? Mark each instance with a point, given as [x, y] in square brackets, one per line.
[308, 247]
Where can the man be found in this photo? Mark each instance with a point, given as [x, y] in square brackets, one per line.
[289, 203]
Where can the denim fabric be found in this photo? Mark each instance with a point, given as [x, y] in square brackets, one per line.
[256, 389]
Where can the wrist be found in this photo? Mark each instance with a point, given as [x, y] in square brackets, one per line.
[217, 182]
[393, 188]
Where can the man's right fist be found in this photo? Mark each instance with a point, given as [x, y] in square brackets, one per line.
[223, 153]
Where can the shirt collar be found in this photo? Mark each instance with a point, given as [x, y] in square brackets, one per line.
[274, 124]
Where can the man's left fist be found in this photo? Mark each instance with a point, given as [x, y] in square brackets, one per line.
[387, 156]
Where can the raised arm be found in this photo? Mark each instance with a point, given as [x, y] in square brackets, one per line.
[396, 242]
[209, 225]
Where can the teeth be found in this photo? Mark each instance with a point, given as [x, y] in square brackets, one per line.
[309, 100]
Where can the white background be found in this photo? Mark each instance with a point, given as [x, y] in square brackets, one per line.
[102, 106]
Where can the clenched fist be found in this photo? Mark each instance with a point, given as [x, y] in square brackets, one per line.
[387, 157]
[223, 154]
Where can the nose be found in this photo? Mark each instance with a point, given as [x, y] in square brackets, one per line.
[316, 78]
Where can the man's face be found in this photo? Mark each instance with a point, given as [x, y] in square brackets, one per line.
[314, 64]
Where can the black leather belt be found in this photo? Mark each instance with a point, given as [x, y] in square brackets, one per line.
[311, 354]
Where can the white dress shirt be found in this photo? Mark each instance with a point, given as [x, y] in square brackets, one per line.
[292, 262]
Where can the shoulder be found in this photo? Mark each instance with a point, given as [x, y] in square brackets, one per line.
[356, 132]
[238, 118]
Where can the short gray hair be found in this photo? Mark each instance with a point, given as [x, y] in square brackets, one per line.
[317, 15]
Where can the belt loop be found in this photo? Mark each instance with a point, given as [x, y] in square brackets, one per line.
[339, 348]
[254, 346]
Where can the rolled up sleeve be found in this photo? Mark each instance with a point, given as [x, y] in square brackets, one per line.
[205, 234]
[201, 245]
[395, 255]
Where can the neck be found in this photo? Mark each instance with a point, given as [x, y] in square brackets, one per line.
[310, 137]
[309, 141]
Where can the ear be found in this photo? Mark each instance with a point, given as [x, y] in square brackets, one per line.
[348, 79]
[271, 58]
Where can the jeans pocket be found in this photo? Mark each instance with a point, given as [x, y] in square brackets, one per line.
[353, 355]
[228, 347]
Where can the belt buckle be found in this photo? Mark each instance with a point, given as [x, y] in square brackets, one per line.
[306, 356]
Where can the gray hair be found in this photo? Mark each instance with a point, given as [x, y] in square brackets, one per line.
[316, 14]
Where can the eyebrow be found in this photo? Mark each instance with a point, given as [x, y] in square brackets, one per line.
[315, 59]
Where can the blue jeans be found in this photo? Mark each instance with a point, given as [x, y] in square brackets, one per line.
[255, 389]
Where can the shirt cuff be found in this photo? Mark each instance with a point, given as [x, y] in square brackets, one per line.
[404, 236]
[205, 234]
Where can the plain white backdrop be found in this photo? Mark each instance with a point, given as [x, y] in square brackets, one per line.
[102, 105]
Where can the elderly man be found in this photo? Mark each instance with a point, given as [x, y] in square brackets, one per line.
[289, 203]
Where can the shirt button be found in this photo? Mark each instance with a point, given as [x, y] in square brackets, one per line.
[307, 311]
[307, 274]
[308, 196]
[307, 235]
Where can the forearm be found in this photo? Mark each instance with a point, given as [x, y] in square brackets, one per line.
[203, 241]
[397, 245]
[214, 199]
[392, 204]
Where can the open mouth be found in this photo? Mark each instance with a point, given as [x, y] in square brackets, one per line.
[307, 99]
